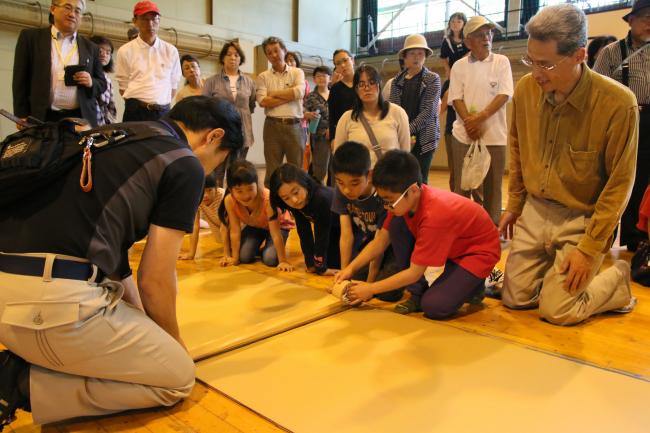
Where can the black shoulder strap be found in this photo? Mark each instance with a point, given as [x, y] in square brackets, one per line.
[109, 136]
[625, 65]
[105, 137]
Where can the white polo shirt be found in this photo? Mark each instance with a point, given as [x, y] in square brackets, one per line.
[477, 83]
[148, 72]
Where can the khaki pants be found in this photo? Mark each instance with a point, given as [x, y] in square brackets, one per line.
[282, 140]
[544, 234]
[91, 353]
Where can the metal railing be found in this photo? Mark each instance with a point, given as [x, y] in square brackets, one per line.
[430, 18]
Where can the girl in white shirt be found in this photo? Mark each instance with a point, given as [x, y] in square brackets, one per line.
[388, 122]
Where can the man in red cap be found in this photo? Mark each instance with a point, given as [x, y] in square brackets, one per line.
[628, 62]
[147, 68]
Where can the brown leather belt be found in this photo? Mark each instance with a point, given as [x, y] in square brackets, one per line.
[285, 120]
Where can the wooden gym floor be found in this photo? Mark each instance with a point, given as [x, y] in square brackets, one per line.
[615, 342]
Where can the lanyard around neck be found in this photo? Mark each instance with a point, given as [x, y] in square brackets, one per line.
[58, 51]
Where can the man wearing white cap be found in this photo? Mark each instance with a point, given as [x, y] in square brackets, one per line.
[480, 86]
[417, 91]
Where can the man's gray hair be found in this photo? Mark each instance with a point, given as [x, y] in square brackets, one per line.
[564, 23]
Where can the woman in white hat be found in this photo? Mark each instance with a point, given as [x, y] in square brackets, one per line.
[417, 90]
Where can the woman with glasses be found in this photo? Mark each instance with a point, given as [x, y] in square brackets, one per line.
[106, 111]
[372, 121]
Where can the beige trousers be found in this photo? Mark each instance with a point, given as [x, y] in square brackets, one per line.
[545, 233]
[91, 353]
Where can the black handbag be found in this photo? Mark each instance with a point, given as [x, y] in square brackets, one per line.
[641, 264]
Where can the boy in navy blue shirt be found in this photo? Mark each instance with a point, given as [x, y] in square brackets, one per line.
[361, 212]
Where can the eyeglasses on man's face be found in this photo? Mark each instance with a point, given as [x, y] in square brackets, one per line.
[545, 66]
[69, 9]
[488, 34]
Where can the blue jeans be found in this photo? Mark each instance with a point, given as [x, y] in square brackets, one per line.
[250, 242]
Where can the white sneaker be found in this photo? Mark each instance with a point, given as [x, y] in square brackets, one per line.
[494, 284]
[628, 308]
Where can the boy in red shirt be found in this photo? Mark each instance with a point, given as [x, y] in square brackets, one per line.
[427, 227]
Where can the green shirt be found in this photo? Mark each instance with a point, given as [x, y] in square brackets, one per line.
[580, 153]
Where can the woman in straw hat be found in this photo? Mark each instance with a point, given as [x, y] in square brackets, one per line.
[417, 90]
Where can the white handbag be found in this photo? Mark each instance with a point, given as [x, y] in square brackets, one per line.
[475, 166]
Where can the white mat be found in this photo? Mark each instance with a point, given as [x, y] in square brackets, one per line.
[376, 371]
[226, 308]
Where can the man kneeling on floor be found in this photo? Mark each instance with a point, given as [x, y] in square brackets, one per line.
[82, 344]
[427, 227]
[573, 141]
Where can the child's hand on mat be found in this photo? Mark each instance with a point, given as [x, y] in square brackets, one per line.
[186, 256]
[360, 291]
[284, 267]
[343, 274]
[228, 261]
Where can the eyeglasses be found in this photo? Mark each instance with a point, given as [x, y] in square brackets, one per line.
[343, 61]
[107, 51]
[394, 204]
[482, 35]
[366, 84]
[69, 9]
[544, 66]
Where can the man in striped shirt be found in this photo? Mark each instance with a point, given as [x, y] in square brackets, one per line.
[628, 62]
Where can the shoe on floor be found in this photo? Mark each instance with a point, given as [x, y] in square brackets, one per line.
[628, 308]
[494, 284]
[477, 297]
[11, 366]
[411, 305]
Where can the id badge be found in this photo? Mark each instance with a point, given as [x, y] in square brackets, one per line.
[60, 76]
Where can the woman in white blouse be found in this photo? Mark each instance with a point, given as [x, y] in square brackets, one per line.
[388, 122]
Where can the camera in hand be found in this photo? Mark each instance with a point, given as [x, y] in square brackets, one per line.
[70, 70]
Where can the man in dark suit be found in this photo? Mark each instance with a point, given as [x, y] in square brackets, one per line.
[39, 82]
